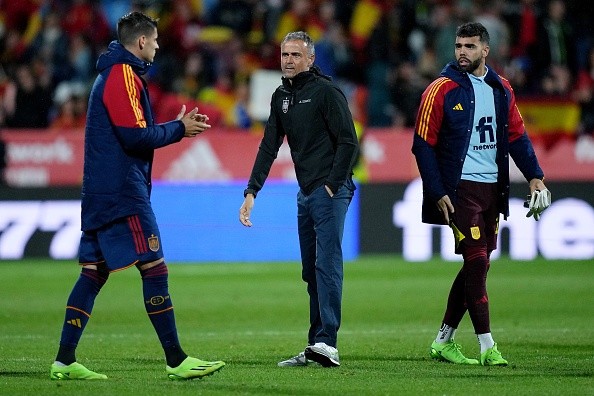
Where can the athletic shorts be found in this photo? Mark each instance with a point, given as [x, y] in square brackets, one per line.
[122, 243]
[476, 218]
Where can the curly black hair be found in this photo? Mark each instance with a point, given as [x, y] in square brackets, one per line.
[473, 29]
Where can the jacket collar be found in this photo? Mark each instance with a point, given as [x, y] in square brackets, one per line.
[453, 72]
[117, 54]
[302, 78]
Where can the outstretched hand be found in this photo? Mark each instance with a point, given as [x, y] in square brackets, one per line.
[246, 210]
[194, 122]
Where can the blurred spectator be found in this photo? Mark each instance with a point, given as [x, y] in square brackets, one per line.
[28, 102]
[489, 13]
[444, 21]
[86, 18]
[112, 10]
[229, 58]
[17, 15]
[334, 54]
[182, 28]
[582, 15]
[556, 43]
[584, 95]
[301, 15]
[81, 59]
[557, 81]
[522, 18]
[365, 17]
[245, 61]
[19, 22]
[234, 14]
[12, 47]
[70, 100]
[387, 46]
[197, 75]
[406, 93]
[380, 108]
[424, 54]
[42, 72]
[265, 54]
[51, 46]
[326, 11]
[5, 97]
[240, 113]
[517, 72]
[343, 11]
[222, 96]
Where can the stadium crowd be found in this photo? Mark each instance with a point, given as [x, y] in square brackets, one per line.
[383, 53]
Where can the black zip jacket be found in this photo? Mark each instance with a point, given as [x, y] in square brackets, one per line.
[314, 115]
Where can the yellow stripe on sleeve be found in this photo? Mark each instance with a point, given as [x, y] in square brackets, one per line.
[428, 105]
[133, 96]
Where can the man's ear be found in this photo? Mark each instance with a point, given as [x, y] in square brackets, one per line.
[486, 50]
[141, 42]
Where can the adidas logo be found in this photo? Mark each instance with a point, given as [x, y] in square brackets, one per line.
[74, 322]
[458, 107]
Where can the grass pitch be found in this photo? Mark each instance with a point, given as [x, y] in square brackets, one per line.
[253, 315]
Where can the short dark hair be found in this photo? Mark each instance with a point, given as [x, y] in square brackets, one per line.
[473, 29]
[303, 36]
[133, 25]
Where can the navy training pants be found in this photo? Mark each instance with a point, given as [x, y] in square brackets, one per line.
[320, 221]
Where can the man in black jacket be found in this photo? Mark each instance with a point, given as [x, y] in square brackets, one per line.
[313, 114]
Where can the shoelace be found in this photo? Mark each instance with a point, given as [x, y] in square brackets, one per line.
[455, 346]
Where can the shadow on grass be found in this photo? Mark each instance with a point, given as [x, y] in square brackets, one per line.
[383, 358]
[23, 374]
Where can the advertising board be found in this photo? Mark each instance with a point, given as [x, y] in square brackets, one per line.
[198, 222]
[390, 222]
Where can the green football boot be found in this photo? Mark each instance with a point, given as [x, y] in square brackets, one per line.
[74, 371]
[192, 368]
[449, 352]
[492, 357]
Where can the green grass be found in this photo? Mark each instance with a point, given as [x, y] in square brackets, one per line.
[253, 315]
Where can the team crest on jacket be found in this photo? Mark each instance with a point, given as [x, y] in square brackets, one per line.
[153, 243]
[285, 105]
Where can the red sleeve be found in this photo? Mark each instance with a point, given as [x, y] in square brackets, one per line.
[122, 97]
[430, 113]
[515, 121]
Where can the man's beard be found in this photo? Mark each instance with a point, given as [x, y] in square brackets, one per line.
[471, 67]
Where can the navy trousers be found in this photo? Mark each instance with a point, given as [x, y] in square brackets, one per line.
[320, 221]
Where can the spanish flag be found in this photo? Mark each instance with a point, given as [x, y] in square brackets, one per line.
[543, 116]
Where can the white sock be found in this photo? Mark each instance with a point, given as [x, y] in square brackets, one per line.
[485, 341]
[445, 334]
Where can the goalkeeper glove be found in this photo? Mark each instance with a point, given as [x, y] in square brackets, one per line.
[537, 202]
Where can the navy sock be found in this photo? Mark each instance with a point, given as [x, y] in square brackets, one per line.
[456, 306]
[160, 310]
[476, 265]
[78, 311]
